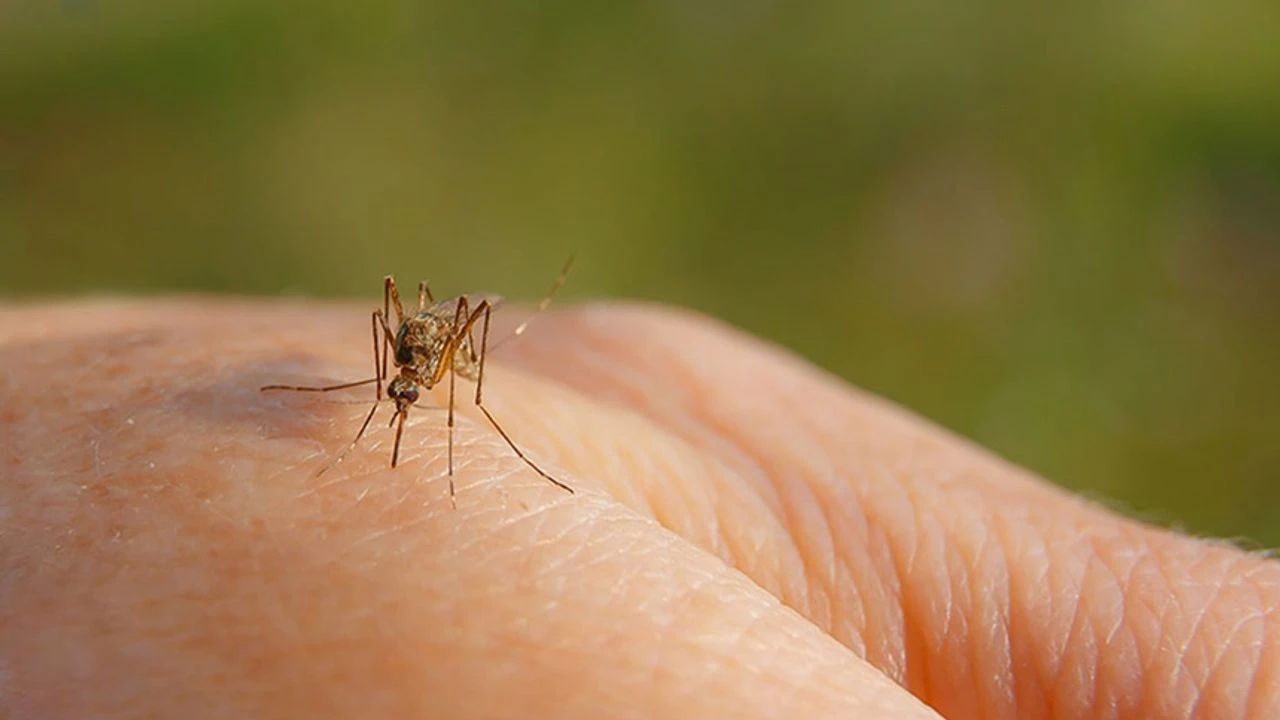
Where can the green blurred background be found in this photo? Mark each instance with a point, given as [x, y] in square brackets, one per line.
[1055, 230]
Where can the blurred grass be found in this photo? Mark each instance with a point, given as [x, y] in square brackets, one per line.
[1053, 229]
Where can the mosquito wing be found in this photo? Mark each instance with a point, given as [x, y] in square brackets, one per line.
[447, 309]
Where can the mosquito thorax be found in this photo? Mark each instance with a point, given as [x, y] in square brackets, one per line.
[418, 337]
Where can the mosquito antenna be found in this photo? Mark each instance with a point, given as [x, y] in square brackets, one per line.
[542, 304]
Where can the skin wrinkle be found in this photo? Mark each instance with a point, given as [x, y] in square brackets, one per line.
[816, 432]
[806, 524]
[836, 524]
[1011, 486]
[679, 509]
[1223, 673]
[1087, 592]
[953, 577]
[1120, 654]
[954, 644]
[951, 637]
[1078, 680]
[721, 483]
[818, 605]
[890, 630]
[870, 585]
[1170, 616]
[1027, 693]
[850, 529]
[818, 611]
[914, 640]
[1139, 609]
[1255, 642]
[1233, 637]
[624, 463]
[1199, 610]
[1098, 617]
[598, 367]
[1266, 659]
[536, 516]
[1116, 585]
[676, 513]
[1069, 675]
[892, 618]
[992, 651]
[1167, 616]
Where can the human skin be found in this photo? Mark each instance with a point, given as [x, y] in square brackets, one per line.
[749, 538]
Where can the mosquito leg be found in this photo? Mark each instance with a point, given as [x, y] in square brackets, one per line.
[388, 343]
[390, 298]
[379, 369]
[448, 353]
[453, 376]
[460, 316]
[388, 346]
[424, 294]
[326, 388]
[459, 313]
[484, 342]
[376, 379]
[462, 312]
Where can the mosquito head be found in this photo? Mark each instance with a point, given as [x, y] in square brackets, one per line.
[403, 391]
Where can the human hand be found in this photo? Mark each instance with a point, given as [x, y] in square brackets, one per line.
[749, 538]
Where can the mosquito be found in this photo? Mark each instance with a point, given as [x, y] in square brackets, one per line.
[438, 339]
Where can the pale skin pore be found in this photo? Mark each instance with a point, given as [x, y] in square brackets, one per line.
[748, 538]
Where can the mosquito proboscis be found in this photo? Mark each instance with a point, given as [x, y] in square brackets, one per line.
[438, 339]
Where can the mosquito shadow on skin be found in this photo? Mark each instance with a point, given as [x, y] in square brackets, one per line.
[165, 376]
[235, 397]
